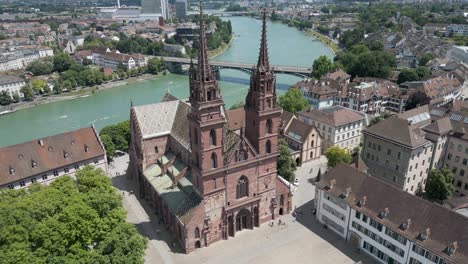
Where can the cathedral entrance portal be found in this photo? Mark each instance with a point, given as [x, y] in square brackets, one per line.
[243, 220]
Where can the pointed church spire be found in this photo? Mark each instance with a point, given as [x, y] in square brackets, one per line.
[263, 61]
[204, 70]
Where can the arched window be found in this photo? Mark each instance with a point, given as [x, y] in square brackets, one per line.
[197, 232]
[269, 103]
[268, 146]
[242, 189]
[213, 137]
[269, 126]
[312, 143]
[214, 162]
[282, 199]
[311, 154]
[156, 150]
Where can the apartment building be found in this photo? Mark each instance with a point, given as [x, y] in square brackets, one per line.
[45, 159]
[371, 96]
[12, 85]
[388, 224]
[440, 90]
[319, 93]
[396, 150]
[337, 125]
[20, 59]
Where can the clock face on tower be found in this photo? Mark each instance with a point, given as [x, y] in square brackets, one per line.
[267, 181]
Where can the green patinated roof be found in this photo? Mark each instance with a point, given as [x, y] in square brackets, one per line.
[180, 199]
[167, 157]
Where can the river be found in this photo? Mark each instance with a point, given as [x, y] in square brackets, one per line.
[287, 46]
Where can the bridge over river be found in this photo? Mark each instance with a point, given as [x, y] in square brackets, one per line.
[174, 64]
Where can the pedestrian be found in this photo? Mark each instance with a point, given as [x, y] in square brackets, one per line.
[312, 169]
[279, 221]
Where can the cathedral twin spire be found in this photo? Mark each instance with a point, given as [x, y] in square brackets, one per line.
[263, 61]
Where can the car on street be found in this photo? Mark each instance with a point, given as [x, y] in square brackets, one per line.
[296, 181]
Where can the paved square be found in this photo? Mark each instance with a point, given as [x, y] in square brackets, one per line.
[300, 240]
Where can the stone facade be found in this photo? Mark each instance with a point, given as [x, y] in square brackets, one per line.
[205, 180]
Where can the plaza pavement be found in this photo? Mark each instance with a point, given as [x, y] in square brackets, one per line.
[301, 240]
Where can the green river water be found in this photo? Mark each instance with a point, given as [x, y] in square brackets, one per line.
[287, 46]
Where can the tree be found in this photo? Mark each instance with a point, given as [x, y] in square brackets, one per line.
[40, 86]
[351, 37]
[122, 67]
[68, 221]
[237, 105]
[155, 65]
[293, 101]
[416, 99]
[321, 66]
[439, 185]
[119, 134]
[62, 62]
[425, 59]
[27, 92]
[5, 98]
[336, 155]
[407, 75]
[379, 118]
[423, 72]
[40, 67]
[108, 145]
[285, 163]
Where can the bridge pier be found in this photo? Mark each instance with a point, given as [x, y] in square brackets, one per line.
[174, 67]
[216, 71]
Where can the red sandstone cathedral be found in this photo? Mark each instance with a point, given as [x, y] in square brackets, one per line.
[208, 172]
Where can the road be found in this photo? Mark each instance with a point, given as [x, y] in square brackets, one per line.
[299, 241]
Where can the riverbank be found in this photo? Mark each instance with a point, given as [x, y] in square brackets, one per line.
[215, 53]
[79, 93]
[324, 39]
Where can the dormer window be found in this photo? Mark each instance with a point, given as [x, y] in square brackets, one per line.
[86, 148]
[452, 248]
[33, 163]
[12, 171]
[425, 234]
[65, 155]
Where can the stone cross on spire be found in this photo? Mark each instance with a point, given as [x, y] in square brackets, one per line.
[263, 61]
[204, 70]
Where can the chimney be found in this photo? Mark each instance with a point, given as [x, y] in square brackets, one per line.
[332, 183]
[362, 201]
[452, 248]
[41, 142]
[425, 234]
[404, 226]
[347, 192]
[384, 213]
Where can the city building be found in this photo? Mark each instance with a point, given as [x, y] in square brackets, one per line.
[457, 30]
[397, 151]
[181, 9]
[388, 224]
[155, 7]
[337, 125]
[204, 180]
[371, 96]
[304, 140]
[459, 53]
[45, 159]
[319, 93]
[20, 59]
[12, 85]
[440, 90]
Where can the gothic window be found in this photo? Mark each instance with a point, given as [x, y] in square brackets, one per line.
[156, 150]
[209, 95]
[268, 146]
[214, 162]
[197, 232]
[311, 154]
[242, 189]
[213, 137]
[269, 126]
[312, 143]
[269, 103]
[282, 199]
[242, 155]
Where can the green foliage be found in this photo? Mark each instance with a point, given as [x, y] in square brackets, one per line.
[108, 145]
[235, 8]
[40, 67]
[286, 165]
[379, 118]
[237, 105]
[425, 59]
[439, 185]
[5, 98]
[119, 135]
[416, 99]
[28, 93]
[155, 65]
[407, 75]
[351, 37]
[62, 62]
[321, 66]
[39, 86]
[68, 221]
[359, 60]
[293, 101]
[336, 155]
